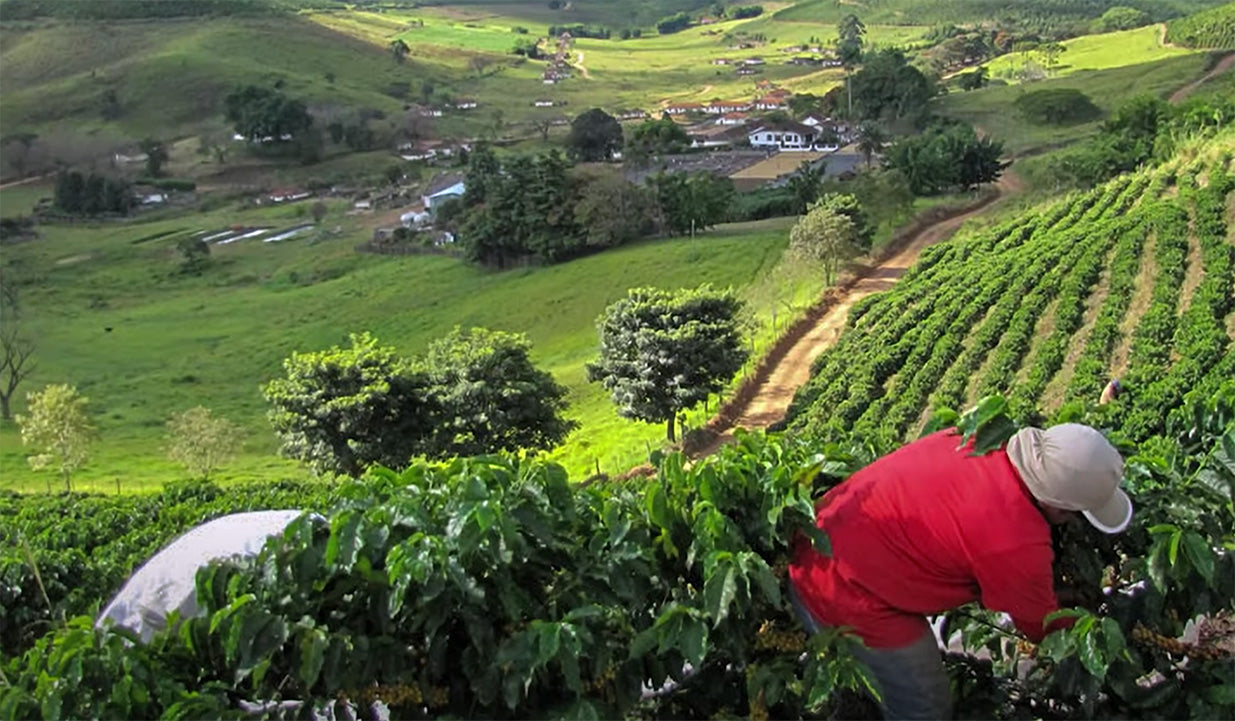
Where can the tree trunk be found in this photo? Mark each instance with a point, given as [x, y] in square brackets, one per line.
[5, 412]
[669, 427]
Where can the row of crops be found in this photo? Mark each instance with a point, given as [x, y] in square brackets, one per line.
[1037, 309]
[1213, 28]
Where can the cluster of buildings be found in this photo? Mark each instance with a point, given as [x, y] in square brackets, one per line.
[738, 121]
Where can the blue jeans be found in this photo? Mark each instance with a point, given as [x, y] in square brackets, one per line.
[911, 680]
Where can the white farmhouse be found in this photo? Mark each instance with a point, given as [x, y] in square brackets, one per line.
[783, 135]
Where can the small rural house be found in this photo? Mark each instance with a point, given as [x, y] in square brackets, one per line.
[465, 104]
[732, 119]
[543, 103]
[443, 189]
[783, 135]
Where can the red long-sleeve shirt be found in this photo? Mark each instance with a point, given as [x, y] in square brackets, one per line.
[923, 530]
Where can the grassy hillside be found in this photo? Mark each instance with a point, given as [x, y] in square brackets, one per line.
[179, 341]
[169, 77]
[1096, 52]
[1132, 280]
[991, 108]
[1046, 14]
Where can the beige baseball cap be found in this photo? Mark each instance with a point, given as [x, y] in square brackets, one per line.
[1073, 467]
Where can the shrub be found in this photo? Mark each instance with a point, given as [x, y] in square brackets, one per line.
[1057, 106]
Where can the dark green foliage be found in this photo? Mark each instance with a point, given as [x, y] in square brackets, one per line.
[490, 397]
[741, 12]
[156, 156]
[611, 210]
[1141, 129]
[492, 588]
[691, 202]
[579, 30]
[673, 24]
[195, 255]
[662, 352]
[848, 206]
[1209, 29]
[129, 9]
[946, 156]
[266, 115]
[888, 88]
[1057, 106]
[180, 184]
[1121, 17]
[594, 136]
[527, 47]
[344, 409]
[91, 194]
[652, 138]
[974, 79]
[519, 209]
[86, 545]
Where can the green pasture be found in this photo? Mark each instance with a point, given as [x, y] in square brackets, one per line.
[170, 78]
[1096, 52]
[177, 341]
[992, 110]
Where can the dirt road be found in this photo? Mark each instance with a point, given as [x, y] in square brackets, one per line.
[792, 369]
[1223, 65]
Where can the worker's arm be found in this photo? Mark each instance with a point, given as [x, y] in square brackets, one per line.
[1021, 584]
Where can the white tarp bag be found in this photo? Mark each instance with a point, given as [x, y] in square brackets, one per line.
[166, 582]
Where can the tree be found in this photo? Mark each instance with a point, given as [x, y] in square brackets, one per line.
[200, 441]
[807, 182]
[400, 50]
[824, 236]
[318, 210]
[1050, 54]
[946, 156]
[156, 156]
[266, 115]
[1121, 17]
[16, 351]
[974, 79]
[343, 409]
[19, 152]
[594, 136]
[871, 140]
[884, 195]
[611, 210]
[195, 255]
[58, 429]
[690, 202]
[673, 23]
[849, 206]
[490, 397]
[889, 88]
[849, 34]
[652, 138]
[663, 351]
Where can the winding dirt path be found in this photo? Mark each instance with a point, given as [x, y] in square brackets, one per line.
[582, 68]
[792, 369]
[1223, 65]
[23, 181]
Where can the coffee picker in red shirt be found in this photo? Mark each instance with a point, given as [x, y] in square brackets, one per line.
[931, 527]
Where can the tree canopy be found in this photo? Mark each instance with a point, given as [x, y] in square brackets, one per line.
[58, 429]
[266, 115]
[490, 397]
[946, 156]
[594, 136]
[477, 391]
[889, 88]
[664, 351]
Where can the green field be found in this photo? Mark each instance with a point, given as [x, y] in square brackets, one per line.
[991, 108]
[1096, 52]
[177, 342]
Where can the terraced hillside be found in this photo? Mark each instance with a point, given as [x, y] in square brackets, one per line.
[1131, 280]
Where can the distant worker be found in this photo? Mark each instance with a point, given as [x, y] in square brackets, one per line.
[1112, 391]
[932, 527]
